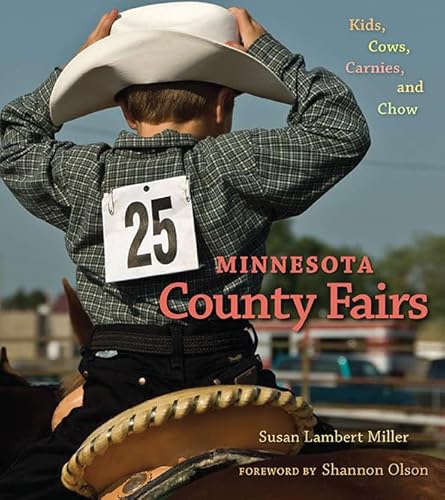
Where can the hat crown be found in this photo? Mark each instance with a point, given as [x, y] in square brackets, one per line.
[200, 19]
[167, 42]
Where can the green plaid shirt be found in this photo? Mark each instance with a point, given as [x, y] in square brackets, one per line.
[240, 182]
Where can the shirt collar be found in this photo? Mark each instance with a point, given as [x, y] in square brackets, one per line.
[166, 139]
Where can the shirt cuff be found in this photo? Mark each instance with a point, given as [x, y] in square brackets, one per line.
[270, 52]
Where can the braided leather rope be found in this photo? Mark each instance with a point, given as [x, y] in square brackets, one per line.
[177, 405]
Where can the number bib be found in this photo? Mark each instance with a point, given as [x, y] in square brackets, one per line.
[149, 230]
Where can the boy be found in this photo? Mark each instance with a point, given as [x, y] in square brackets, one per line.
[238, 184]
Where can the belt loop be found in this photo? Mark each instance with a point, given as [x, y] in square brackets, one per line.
[255, 336]
[178, 346]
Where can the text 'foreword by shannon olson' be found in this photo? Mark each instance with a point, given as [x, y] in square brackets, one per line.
[343, 302]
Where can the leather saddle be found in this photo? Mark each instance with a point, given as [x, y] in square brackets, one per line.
[143, 445]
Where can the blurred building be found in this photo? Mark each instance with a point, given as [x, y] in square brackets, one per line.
[39, 339]
[18, 332]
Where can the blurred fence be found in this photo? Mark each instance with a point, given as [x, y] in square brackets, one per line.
[427, 396]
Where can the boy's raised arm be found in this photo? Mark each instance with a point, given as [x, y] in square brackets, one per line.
[31, 160]
[325, 138]
[34, 166]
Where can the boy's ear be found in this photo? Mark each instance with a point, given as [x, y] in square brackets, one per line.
[224, 104]
[131, 122]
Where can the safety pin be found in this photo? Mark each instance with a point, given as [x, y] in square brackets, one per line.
[188, 196]
[110, 206]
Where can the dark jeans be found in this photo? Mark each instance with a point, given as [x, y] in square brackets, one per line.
[112, 386]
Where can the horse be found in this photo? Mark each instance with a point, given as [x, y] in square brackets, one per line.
[368, 473]
[373, 474]
[202, 443]
[26, 412]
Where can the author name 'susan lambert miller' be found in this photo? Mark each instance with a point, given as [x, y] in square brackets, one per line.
[341, 294]
[387, 436]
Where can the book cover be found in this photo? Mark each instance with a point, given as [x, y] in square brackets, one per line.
[350, 315]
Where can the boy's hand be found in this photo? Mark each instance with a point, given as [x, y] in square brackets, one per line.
[249, 29]
[102, 29]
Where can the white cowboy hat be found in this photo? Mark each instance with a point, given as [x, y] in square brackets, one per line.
[161, 43]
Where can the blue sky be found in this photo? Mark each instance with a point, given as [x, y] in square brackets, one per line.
[394, 195]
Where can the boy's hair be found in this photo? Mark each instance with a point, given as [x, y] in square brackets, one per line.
[179, 102]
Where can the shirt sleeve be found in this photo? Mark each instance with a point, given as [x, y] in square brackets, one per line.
[286, 170]
[36, 168]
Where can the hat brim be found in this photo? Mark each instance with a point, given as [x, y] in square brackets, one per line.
[90, 82]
